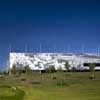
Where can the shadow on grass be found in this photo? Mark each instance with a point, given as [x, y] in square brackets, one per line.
[67, 82]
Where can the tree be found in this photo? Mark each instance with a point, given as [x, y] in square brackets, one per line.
[92, 70]
[67, 66]
[60, 72]
[27, 69]
[73, 69]
[14, 69]
[60, 69]
[50, 70]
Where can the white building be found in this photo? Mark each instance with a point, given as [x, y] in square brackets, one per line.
[41, 61]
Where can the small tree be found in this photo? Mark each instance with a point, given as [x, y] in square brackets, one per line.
[92, 70]
[67, 66]
[60, 69]
[14, 69]
[50, 70]
[27, 69]
[60, 72]
[73, 69]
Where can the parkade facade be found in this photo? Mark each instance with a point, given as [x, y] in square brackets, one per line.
[41, 61]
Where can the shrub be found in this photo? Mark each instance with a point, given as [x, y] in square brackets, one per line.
[23, 79]
[54, 78]
[62, 83]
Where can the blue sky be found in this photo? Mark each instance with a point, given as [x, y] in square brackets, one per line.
[59, 24]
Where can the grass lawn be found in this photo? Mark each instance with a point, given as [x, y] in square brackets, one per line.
[66, 86]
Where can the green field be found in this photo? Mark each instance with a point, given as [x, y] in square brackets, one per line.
[54, 86]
